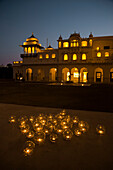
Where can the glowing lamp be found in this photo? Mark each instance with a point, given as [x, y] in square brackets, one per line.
[28, 148]
[100, 129]
[30, 134]
[77, 132]
[67, 134]
[53, 137]
[12, 119]
[39, 138]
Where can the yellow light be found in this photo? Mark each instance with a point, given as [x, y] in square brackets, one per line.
[98, 48]
[76, 74]
[65, 44]
[33, 49]
[21, 61]
[40, 57]
[84, 43]
[74, 43]
[90, 42]
[74, 57]
[59, 44]
[83, 56]
[106, 54]
[65, 57]
[99, 54]
[29, 50]
[47, 55]
[53, 55]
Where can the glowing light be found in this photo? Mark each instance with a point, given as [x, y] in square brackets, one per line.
[99, 54]
[84, 43]
[65, 44]
[47, 55]
[100, 129]
[65, 57]
[40, 56]
[106, 54]
[83, 56]
[59, 44]
[98, 48]
[90, 42]
[53, 55]
[74, 57]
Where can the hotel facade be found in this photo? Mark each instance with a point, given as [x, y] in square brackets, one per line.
[77, 60]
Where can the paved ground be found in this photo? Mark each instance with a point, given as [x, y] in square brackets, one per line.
[95, 97]
[87, 152]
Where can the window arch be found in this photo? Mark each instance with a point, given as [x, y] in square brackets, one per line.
[83, 56]
[74, 56]
[65, 74]
[99, 54]
[98, 75]
[65, 57]
[29, 74]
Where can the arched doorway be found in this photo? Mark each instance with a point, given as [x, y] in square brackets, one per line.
[65, 74]
[40, 75]
[53, 74]
[83, 75]
[74, 75]
[98, 75]
[111, 75]
[29, 74]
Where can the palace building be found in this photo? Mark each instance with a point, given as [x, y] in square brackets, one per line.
[77, 59]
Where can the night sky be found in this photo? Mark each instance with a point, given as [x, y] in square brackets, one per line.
[49, 19]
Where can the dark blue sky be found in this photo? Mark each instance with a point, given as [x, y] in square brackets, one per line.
[49, 19]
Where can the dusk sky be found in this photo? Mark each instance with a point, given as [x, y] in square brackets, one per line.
[49, 19]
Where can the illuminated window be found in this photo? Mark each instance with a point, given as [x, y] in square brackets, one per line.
[40, 57]
[59, 44]
[53, 55]
[98, 75]
[21, 61]
[47, 55]
[74, 43]
[83, 56]
[106, 54]
[33, 49]
[65, 57]
[74, 57]
[84, 43]
[29, 50]
[99, 54]
[25, 49]
[90, 42]
[98, 48]
[65, 44]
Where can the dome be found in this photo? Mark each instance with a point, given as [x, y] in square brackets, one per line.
[91, 35]
[32, 38]
[75, 35]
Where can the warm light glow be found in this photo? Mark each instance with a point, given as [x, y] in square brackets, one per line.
[65, 44]
[98, 48]
[83, 56]
[47, 55]
[25, 49]
[40, 56]
[90, 42]
[21, 61]
[84, 77]
[74, 57]
[33, 49]
[84, 43]
[29, 50]
[65, 57]
[59, 44]
[99, 54]
[74, 43]
[106, 54]
[53, 55]
[76, 74]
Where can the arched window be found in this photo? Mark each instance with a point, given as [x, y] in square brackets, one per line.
[83, 56]
[106, 54]
[65, 44]
[47, 55]
[53, 55]
[99, 54]
[65, 57]
[59, 44]
[74, 57]
[84, 43]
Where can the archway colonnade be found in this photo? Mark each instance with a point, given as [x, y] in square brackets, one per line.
[74, 74]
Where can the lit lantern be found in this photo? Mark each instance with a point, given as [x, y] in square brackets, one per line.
[50, 118]
[58, 129]
[77, 132]
[100, 129]
[39, 138]
[68, 118]
[43, 122]
[51, 127]
[59, 117]
[46, 130]
[28, 148]
[30, 134]
[63, 112]
[12, 119]
[54, 121]
[83, 126]
[37, 126]
[25, 129]
[75, 120]
[67, 134]
[31, 119]
[40, 116]
[53, 137]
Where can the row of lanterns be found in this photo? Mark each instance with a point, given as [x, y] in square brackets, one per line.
[38, 128]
